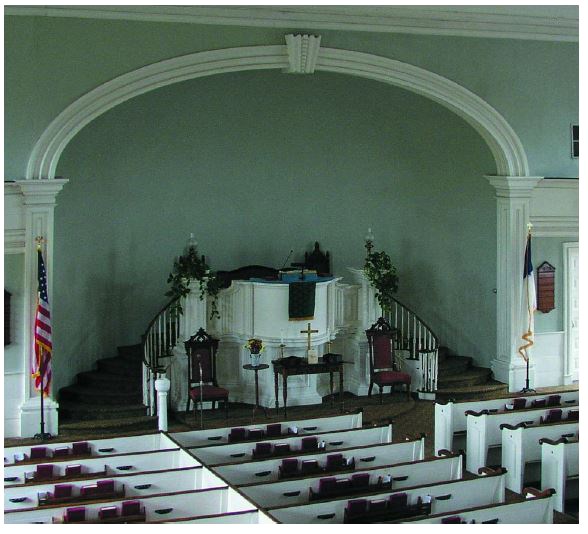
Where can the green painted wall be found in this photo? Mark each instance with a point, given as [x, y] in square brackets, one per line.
[257, 163]
[50, 62]
[550, 249]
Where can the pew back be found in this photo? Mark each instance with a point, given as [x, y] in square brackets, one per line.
[368, 456]
[450, 417]
[218, 436]
[102, 447]
[446, 496]
[521, 445]
[530, 511]
[343, 439]
[157, 507]
[115, 464]
[291, 492]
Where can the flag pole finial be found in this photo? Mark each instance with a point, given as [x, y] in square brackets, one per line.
[39, 240]
[529, 227]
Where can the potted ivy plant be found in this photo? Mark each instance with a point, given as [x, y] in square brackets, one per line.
[188, 268]
[381, 273]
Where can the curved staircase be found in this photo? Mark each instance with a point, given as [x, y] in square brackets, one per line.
[459, 379]
[108, 399]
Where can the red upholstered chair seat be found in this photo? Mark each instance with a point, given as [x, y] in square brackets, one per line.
[383, 378]
[209, 392]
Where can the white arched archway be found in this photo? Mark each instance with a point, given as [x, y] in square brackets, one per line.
[504, 144]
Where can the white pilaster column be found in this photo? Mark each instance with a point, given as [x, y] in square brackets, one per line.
[513, 198]
[368, 312]
[38, 206]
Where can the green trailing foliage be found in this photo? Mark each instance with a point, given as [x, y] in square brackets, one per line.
[188, 268]
[382, 275]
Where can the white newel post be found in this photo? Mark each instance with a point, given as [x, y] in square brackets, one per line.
[368, 312]
[513, 198]
[38, 207]
[162, 386]
[194, 317]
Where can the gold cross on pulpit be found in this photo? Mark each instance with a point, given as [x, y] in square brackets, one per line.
[308, 331]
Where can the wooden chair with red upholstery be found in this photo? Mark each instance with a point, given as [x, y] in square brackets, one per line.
[383, 368]
[201, 351]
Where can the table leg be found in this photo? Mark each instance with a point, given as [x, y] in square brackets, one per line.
[276, 391]
[332, 393]
[341, 388]
[285, 393]
[256, 394]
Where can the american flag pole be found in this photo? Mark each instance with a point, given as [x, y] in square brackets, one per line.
[41, 355]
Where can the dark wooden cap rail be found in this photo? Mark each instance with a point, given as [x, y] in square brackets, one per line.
[492, 471]
[532, 424]
[206, 516]
[538, 494]
[512, 395]
[488, 411]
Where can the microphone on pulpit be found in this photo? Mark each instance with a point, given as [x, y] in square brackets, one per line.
[285, 262]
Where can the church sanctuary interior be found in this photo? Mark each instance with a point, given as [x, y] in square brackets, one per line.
[291, 264]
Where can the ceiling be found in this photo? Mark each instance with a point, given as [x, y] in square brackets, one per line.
[537, 22]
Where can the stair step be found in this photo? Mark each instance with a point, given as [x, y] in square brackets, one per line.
[454, 365]
[71, 411]
[475, 392]
[118, 365]
[102, 379]
[471, 377]
[131, 352]
[99, 396]
[109, 425]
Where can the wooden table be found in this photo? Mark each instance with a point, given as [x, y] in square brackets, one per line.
[305, 368]
[257, 368]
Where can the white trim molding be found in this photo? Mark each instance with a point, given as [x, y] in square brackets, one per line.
[513, 199]
[546, 23]
[503, 142]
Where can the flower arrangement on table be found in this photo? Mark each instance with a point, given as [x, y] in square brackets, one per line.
[255, 346]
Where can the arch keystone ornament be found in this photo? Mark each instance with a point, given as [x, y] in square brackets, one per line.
[303, 52]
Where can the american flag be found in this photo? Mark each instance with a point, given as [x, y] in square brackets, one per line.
[43, 344]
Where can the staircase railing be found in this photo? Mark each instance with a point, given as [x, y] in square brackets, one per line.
[158, 342]
[416, 337]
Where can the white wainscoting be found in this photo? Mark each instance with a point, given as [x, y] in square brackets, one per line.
[13, 398]
[548, 359]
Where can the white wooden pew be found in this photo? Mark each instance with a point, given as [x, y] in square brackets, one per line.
[445, 497]
[219, 436]
[450, 418]
[290, 492]
[232, 518]
[334, 441]
[370, 455]
[135, 486]
[483, 431]
[106, 466]
[559, 466]
[531, 511]
[195, 503]
[520, 445]
[99, 447]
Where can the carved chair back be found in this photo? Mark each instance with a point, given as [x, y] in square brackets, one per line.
[317, 260]
[380, 340]
[201, 351]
